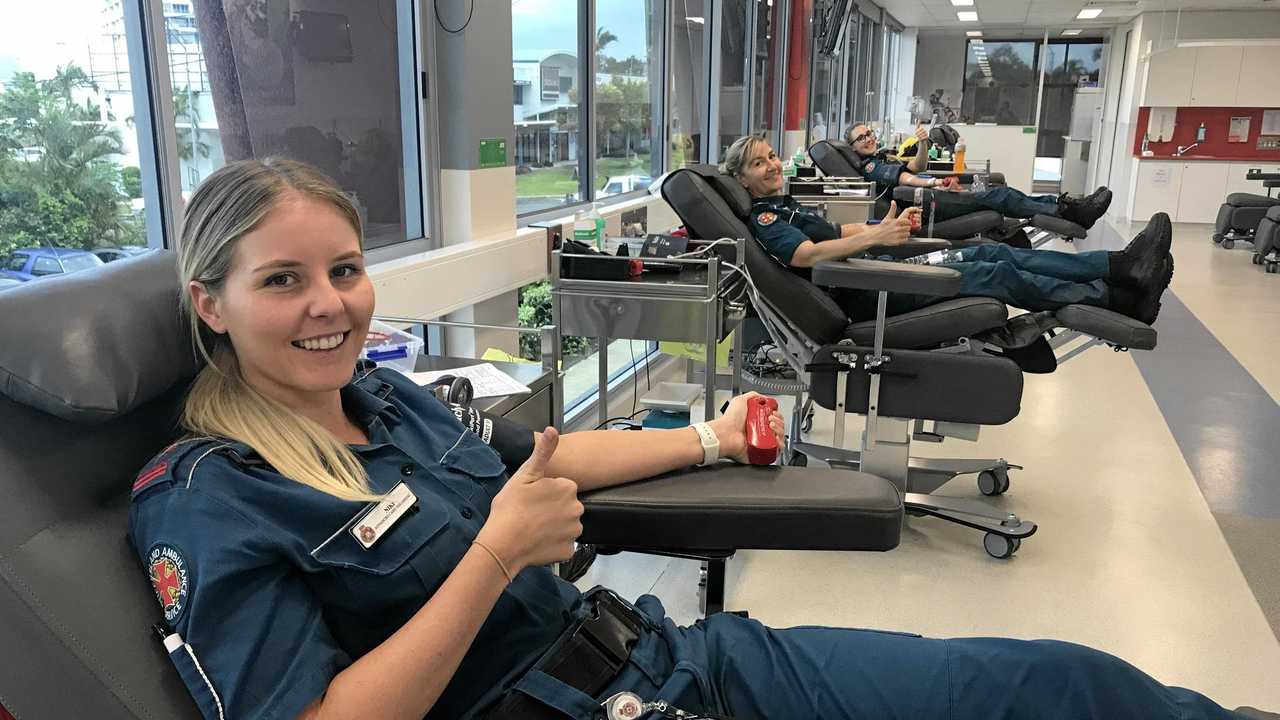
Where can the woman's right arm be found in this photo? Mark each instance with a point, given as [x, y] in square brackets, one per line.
[856, 238]
[534, 520]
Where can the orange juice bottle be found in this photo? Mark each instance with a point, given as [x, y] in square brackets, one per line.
[959, 162]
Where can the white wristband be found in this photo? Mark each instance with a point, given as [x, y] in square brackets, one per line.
[710, 444]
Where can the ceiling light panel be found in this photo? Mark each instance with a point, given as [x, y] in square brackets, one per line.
[1088, 13]
[967, 16]
[962, 3]
[973, 33]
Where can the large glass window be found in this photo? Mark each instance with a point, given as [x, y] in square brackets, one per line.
[70, 178]
[1000, 82]
[687, 79]
[1069, 67]
[252, 79]
[732, 118]
[547, 114]
[765, 76]
[628, 95]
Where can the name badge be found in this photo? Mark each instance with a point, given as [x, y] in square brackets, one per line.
[375, 523]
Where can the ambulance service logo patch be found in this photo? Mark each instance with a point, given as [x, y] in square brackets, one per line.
[169, 579]
[766, 218]
[871, 167]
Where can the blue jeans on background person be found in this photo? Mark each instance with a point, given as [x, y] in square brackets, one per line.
[1004, 200]
[1029, 279]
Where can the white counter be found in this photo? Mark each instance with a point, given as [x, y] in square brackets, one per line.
[1191, 191]
[1011, 150]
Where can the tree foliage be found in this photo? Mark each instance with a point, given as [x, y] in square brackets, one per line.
[535, 311]
[59, 183]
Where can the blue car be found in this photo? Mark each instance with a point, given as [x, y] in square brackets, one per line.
[31, 263]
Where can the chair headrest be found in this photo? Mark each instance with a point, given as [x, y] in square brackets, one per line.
[835, 158]
[93, 345]
[736, 196]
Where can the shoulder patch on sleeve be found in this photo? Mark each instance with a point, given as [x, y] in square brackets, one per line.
[871, 167]
[170, 579]
[766, 218]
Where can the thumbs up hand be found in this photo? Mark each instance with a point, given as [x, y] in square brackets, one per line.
[535, 518]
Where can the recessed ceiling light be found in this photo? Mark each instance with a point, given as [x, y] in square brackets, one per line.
[697, 20]
[1074, 31]
[1088, 13]
[967, 16]
[973, 33]
[976, 43]
[962, 3]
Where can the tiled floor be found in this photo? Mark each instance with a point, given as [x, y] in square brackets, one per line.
[1147, 516]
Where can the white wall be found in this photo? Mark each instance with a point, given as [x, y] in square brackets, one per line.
[908, 43]
[1010, 150]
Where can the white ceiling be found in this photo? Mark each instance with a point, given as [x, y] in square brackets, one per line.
[1053, 14]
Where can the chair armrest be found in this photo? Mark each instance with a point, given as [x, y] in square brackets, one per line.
[729, 507]
[892, 277]
[917, 246]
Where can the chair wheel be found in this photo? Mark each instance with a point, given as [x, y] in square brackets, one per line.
[1229, 244]
[807, 424]
[999, 546]
[798, 459]
[1273, 268]
[993, 482]
[1215, 238]
[1256, 259]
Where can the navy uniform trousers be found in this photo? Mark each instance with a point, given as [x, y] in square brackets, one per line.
[1029, 279]
[1004, 200]
[735, 667]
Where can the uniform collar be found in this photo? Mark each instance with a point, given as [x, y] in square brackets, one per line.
[770, 200]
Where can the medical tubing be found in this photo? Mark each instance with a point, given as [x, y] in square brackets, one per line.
[501, 565]
[775, 385]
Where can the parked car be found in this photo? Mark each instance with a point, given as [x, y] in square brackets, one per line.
[618, 184]
[31, 263]
[6, 283]
[111, 254]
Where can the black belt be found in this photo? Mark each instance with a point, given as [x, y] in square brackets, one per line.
[586, 657]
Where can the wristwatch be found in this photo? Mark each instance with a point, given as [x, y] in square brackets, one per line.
[933, 182]
[710, 444]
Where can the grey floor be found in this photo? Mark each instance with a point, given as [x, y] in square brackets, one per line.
[1154, 478]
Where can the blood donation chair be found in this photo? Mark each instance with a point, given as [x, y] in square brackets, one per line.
[93, 368]
[957, 363]
[836, 158]
[1266, 242]
[1240, 213]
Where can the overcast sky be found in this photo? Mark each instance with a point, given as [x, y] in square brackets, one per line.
[541, 27]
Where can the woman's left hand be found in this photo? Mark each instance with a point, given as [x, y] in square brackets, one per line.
[731, 428]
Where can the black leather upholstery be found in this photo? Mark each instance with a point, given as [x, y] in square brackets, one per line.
[760, 508]
[932, 325]
[1268, 236]
[855, 274]
[706, 213]
[1065, 228]
[1241, 213]
[1107, 325]
[928, 386]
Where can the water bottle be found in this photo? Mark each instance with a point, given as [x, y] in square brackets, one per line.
[588, 227]
[937, 257]
[959, 165]
[979, 183]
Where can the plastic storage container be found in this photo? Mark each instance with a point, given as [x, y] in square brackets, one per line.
[390, 347]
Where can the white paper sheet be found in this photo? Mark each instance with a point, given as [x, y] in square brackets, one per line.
[486, 380]
[1271, 122]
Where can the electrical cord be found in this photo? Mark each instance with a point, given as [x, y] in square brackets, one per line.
[620, 417]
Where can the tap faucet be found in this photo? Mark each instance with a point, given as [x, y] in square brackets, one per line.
[1184, 150]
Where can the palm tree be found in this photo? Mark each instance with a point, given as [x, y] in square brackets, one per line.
[185, 109]
[603, 38]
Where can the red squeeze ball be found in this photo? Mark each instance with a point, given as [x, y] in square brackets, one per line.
[915, 222]
[762, 444]
[949, 180]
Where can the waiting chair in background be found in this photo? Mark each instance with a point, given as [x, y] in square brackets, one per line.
[1240, 213]
[957, 363]
[93, 369]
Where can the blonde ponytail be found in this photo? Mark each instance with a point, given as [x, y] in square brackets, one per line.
[228, 204]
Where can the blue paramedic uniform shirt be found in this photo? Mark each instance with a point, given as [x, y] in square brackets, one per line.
[781, 224]
[272, 594]
[883, 174]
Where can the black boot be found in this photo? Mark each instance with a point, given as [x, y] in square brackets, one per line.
[1085, 211]
[1141, 304]
[1252, 712]
[1142, 261]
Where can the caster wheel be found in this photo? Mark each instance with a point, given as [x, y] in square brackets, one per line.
[1272, 268]
[999, 546]
[993, 482]
[1257, 259]
[799, 459]
[1229, 244]
[915, 513]
[807, 424]
[1217, 239]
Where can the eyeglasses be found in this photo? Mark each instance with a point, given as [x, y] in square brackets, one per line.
[864, 136]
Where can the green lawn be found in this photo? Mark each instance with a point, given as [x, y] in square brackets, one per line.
[558, 181]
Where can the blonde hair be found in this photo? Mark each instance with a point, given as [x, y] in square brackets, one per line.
[228, 204]
[737, 154]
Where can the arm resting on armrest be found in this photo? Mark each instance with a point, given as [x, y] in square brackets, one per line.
[913, 248]
[893, 277]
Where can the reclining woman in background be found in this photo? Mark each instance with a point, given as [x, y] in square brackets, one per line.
[1129, 282]
[1083, 211]
[326, 546]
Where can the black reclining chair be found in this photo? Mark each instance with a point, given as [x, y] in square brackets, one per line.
[836, 158]
[1266, 242]
[952, 362]
[93, 368]
[1240, 214]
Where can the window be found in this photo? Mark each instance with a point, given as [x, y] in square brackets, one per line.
[544, 52]
[1000, 82]
[732, 118]
[69, 158]
[322, 87]
[519, 94]
[627, 90]
[765, 78]
[687, 80]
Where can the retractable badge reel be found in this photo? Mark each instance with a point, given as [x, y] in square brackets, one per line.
[629, 706]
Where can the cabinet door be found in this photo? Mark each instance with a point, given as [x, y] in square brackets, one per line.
[1204, 184]
[1217, 76]
[1236, 182]
[1258, 86]
[1169, 78]
[1157, 190]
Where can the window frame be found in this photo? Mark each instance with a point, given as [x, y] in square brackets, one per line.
[1036, 74]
